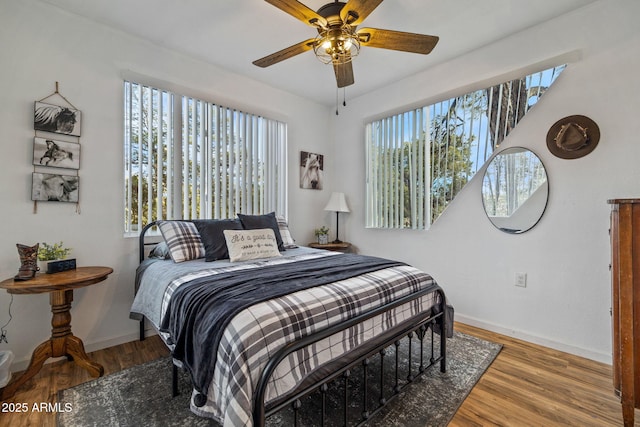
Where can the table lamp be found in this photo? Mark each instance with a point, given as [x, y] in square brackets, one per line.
[337, 204]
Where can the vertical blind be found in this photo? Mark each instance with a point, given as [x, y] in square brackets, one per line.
[419, 160]
[398, 170]
[187, 158]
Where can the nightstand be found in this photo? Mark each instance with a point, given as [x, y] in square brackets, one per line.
[60, 287]
[336, 247]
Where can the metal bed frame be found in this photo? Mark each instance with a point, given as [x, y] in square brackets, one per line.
[414, 329]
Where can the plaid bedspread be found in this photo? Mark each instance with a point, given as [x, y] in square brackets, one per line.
[259, 331]
[200, 310]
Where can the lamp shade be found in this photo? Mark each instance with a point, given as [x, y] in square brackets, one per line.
[337, 203]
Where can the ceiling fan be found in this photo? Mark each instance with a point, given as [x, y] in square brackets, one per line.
[338, 41]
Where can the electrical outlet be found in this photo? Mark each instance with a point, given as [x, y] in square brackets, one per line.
[521, 280]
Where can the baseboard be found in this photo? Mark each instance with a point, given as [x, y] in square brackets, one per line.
[22, 363]
[578, 351]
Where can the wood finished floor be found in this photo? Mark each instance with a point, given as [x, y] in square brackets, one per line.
[527, 385]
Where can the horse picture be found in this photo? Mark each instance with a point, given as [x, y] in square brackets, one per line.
[56, 119]
[311, 170]
[57, 154]
[50, 187]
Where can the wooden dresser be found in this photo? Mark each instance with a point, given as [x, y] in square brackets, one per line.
[625, 303]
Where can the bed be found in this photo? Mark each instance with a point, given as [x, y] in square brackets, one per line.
[257, 333]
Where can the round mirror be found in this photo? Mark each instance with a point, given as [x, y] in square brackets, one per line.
[515, 190]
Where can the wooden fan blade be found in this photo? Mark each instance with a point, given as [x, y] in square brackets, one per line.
[355, 11]
[300, 11]
[344, 74]
[397, 40]
[286, 53]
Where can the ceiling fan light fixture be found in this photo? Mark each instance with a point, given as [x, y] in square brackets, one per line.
[336, 45]
[337, 41]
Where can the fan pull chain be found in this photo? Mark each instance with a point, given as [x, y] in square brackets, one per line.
[344, 98]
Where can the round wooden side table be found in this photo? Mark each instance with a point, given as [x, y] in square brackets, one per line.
[62, 341]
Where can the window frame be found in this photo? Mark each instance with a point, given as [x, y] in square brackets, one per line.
[183, 141]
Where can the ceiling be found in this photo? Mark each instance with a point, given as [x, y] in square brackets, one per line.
[233, 33]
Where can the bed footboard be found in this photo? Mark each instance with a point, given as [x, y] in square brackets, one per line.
[417, 327]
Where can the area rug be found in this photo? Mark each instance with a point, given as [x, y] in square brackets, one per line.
[141, 395]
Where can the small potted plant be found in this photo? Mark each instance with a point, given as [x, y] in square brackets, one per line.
[48, 253]
[322, 234]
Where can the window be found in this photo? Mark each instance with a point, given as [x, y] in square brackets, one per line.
[417, 161]
[187, 158]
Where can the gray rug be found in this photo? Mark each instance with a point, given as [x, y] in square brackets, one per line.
[141, 396]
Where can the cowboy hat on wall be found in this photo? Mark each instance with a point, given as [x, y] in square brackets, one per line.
[573, 137]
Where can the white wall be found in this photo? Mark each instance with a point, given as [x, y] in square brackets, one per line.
[567, 299]
[40, 45]
[566, 256]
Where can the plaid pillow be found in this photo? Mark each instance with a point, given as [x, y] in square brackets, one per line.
[183, 240]
[287, 240]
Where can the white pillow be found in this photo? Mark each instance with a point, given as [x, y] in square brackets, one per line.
[251, 244]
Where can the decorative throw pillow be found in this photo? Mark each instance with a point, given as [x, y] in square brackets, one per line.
[215, 246]
[244, 245]
[252, 222]
[183, 240]
[285, 234]
[161, 251]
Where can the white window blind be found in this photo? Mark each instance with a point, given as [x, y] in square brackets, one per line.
[398, 170]
[188, 158]
[419, 160]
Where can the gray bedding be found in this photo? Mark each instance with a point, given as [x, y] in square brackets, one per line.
[148, 303]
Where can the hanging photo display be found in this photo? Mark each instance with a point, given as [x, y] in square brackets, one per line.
[56, 146]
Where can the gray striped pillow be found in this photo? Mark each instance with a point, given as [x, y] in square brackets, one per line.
[287, 240]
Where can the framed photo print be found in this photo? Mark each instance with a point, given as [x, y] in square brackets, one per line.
[311, 170]
[56, 119]
[49, 187]
[56, 154]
